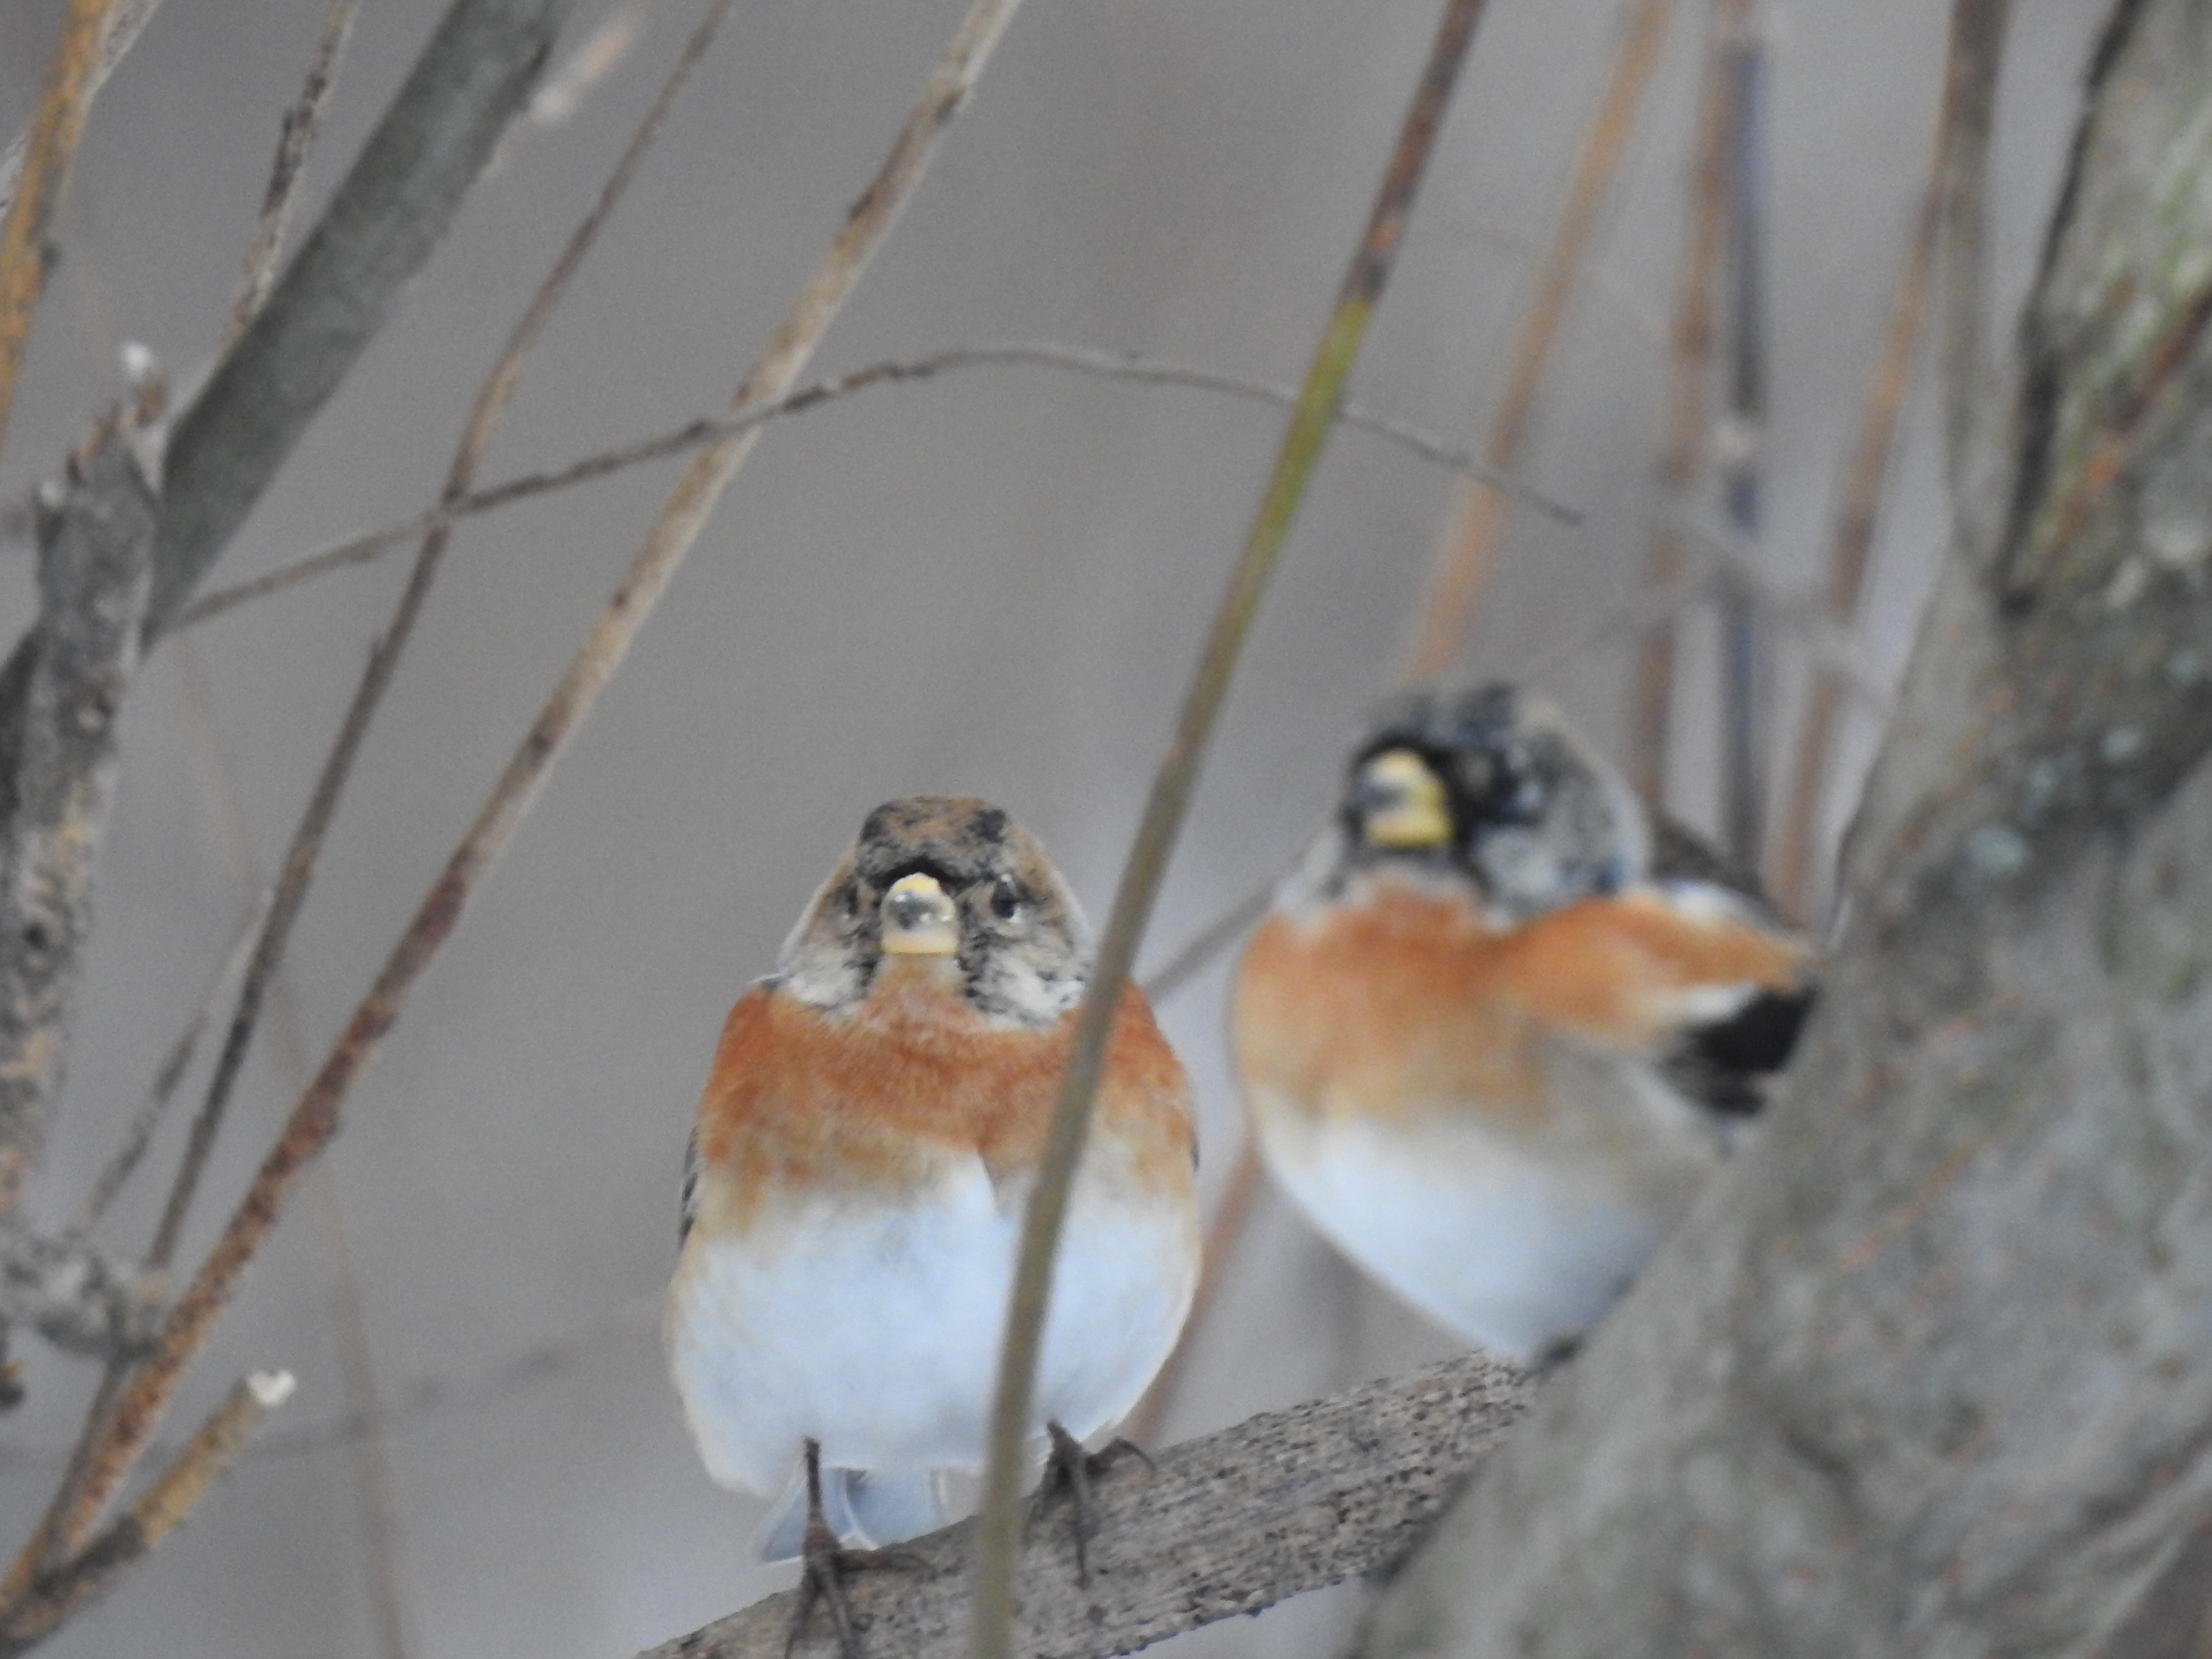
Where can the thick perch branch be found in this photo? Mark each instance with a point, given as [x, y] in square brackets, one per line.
[1932, 1372]
[1230, 1523]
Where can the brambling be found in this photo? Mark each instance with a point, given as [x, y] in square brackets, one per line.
[863, 1150]
[1501, 1023]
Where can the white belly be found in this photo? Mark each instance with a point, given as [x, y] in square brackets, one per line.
[875, 1329]
[1512, 1247]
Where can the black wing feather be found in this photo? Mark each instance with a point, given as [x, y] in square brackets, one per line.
[1722, 1066]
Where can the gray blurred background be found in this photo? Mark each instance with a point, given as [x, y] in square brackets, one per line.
[989, 583]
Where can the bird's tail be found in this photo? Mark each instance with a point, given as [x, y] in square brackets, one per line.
[863, 1508]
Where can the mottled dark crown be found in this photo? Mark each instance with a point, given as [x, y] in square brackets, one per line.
[957, 838]
[1025, 945]
[1537, 816]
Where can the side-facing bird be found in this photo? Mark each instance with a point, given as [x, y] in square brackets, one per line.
[865, 1148]
[1502, 1024]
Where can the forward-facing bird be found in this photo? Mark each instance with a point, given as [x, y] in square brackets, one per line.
[1502, 1024]
[865, 1148]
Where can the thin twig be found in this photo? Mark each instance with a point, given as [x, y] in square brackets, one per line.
[120, 1168]
[1688, 395]
[301, 122]
[1191, 958]
[78, 1299]
[696, 434]
[315, 1116]
[1859, 513]
[54, 134]
[1303, 442]
[1479, 512]
[1743, 665]
[389, 213]
[595, 57]
[1977, 33]
[164, 1506]
[306, 849]
[126, 19]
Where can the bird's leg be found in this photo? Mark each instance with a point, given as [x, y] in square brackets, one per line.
[1070, 1467]
[822, 1561]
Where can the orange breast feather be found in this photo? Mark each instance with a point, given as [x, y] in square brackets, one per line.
[1409, 999]
[871, 1099]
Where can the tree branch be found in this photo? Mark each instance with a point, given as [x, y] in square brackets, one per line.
[1931, 1371]
[127, 20]
[77, 1298]
[392, 209]
[1230, 1523]
[58, 772]
[53, 139]
[51, 1600]
[303, 118]
[697, 434]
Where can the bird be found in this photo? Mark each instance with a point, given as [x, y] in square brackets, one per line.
[863, 1152]
[1501, 1023]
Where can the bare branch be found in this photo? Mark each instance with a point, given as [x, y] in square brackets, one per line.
[65, 684]
[126, 20]
[1744, 739]
[1859, 514]
[696, 434]
[1230, 1523]
[77, 1298]
[392, 209]
[315, 1116]
[301, 121]
[1479, 512]
[1977, 33]
[54, 134]
[120, 1168]
[306, 848]
[1357, 295]
[165, 1506]
[1682, 457]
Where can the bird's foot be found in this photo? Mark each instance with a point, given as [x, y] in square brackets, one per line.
[1069, 1468]
[825, 1565]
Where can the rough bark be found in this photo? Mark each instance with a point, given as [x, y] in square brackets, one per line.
[1931, 1373]
[58, 772]
[1232, 1523]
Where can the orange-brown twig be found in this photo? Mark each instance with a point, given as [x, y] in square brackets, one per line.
[1479, 511]
[164, 1505]
[54, 137]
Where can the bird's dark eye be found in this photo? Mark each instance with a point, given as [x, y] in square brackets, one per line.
[1006, 899]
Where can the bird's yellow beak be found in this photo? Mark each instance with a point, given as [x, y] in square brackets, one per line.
[919, 919]
[1401, 803]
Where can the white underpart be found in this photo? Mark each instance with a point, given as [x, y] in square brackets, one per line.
[1514, 1246]
[873, 1327]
